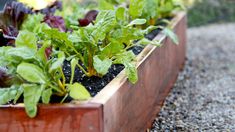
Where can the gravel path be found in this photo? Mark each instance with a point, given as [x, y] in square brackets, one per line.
[203, 98]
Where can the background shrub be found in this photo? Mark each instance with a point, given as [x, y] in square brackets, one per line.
[211, 11]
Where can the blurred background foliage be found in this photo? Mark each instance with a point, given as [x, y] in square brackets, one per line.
[201, 12]
[211, 11]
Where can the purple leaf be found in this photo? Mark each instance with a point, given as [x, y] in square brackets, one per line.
[89, 18]
[55, 22]
[4, 78]
[11, 18]
[48, 52]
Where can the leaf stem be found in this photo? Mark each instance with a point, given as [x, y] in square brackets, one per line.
[81, 68]
[64, 98]
[63, 77]
[61, 86]
[61, 93]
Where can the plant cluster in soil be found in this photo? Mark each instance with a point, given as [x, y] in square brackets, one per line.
[95, 84]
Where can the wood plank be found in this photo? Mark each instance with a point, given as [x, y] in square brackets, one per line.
[53, 118]
[129, 107]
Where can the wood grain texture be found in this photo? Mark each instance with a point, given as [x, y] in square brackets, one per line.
[53, 118]
[129, 107]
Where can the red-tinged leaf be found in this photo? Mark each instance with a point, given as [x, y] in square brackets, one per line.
[4, 78]
[55, 22]
[89, 18]
[84, 22]
[11, 19]
[48, 52]
[91, 15]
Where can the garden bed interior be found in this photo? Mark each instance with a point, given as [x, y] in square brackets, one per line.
[120, 106]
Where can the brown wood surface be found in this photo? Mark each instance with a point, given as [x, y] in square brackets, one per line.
[53, 118]
[132, 108]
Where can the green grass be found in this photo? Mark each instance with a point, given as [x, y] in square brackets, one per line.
[211, 11]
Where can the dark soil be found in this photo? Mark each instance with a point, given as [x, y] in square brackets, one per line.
[96, 84]
[153, 34]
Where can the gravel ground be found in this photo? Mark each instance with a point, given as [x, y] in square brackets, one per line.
[203, 98]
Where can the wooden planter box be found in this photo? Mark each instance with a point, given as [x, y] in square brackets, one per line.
[120, 106]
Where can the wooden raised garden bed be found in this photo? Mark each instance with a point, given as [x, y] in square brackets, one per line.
[120, 106]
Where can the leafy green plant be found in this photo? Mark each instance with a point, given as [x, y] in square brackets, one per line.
[151, 11]
[96, 47]
[167, 7]
[35, 76]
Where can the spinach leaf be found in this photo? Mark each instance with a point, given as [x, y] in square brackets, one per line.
[78, 91]
[102, 66]
[31, 73]
[7, 94]
[32, 94]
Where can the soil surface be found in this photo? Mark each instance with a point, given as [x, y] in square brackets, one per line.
[203, 99]
[95, 84]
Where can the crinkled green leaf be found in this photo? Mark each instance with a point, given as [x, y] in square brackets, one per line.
[31, 73]
[27, 39]
[168, 32]
[150, 9]
[136, 8]
[78, 91]
[32, 94]
[137, 22]
[104, 5]
[32, 21]
[46, 95]
[56, 34]
[102, 66]
[120, 13]
[58, 63]
[74, 37]
[125, 57]
[61, 38]
[22, 52]
[127, 35]
[131, 72]
[111, 49]
[7, 94]
[105, 21]
[38, 29]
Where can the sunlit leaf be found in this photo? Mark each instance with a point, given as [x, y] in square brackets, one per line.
[78, 91]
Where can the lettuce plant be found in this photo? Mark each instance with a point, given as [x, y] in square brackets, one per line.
[11, 18]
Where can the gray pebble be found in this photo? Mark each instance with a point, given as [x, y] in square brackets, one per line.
[203, 99]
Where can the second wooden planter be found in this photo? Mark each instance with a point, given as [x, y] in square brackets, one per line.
[120, 106]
